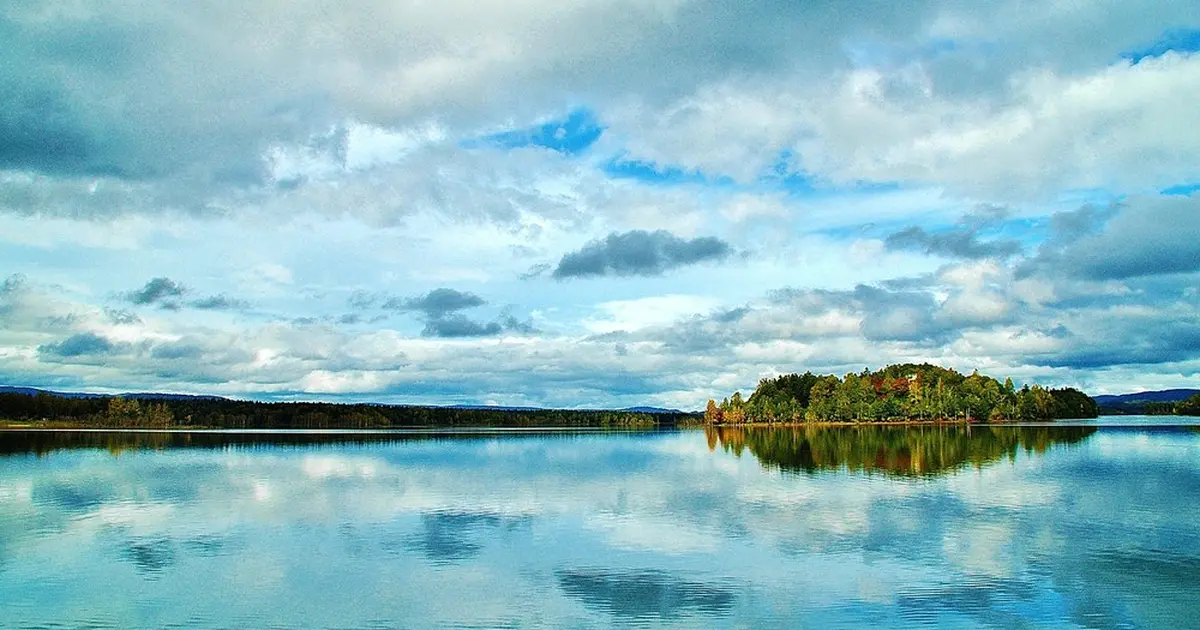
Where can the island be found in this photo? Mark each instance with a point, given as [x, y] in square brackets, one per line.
[904, 393]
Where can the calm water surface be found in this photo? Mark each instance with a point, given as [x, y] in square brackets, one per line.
[1062, 527]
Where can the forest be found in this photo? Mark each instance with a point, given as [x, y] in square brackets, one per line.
[897, 393]
[1187, 407]
[51, 411]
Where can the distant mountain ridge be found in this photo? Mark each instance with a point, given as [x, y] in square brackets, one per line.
[1136, 403]
[33, 391]
[1120, 403]
[652, 410]
[1162, 395]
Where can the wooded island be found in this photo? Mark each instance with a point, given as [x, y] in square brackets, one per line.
[906, 392]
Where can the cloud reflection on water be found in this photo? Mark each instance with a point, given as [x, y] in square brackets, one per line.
[645, 594]
[447, 537]
[583, 530]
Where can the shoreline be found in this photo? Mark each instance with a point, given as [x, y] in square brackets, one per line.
[851, 423]
[69, 426]
[329, 430]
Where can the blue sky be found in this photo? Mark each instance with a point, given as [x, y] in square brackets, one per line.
[599, 204]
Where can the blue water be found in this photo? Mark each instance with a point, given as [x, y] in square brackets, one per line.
[1085, 527]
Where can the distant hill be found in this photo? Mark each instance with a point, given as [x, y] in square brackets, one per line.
[490, 407]
[652, 410]
[33, 391]
[1135, 403]
[157, 396]
[1162, 395]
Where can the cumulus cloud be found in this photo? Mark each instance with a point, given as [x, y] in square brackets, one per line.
[1156, 237]
[122, 316]
[960, 241]
[897, 315]
[876, 313]
[81, 344]
[177, 351]
[510, 322]
[1050, 131]
[363, 300]
[1068, 225]
[161, 291]
[167, 293]
[1145, 237]
[639, 253]
[954, 243]
[437, 303]
[458, 325]
[220, 302]
[441, 311]
[731, 315]
[13, 283]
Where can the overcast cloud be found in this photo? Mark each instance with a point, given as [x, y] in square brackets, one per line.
[595, 204]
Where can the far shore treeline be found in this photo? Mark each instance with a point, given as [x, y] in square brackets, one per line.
[897, 393]
[51, 411]
[1189, 406]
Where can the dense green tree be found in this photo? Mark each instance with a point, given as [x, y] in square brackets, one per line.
[1160, 408]
[788, 387]
[1189, 407]
[902, 392]
[712, 413]
[123, 412]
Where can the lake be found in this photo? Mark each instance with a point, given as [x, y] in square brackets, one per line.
[1091, 525]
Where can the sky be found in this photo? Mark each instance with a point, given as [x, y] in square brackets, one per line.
[601, 203]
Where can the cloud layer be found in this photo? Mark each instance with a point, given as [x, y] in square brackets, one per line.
[594, 204]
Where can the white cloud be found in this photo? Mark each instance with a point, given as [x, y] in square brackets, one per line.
[1124, 127]
[631, 315]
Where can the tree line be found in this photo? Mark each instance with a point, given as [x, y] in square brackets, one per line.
[49, 410]
[1187, 407]
[904, 392]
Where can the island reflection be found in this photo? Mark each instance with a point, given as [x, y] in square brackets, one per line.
[902, 451]
[893, 450]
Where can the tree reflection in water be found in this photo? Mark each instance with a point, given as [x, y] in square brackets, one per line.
[904, 451]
